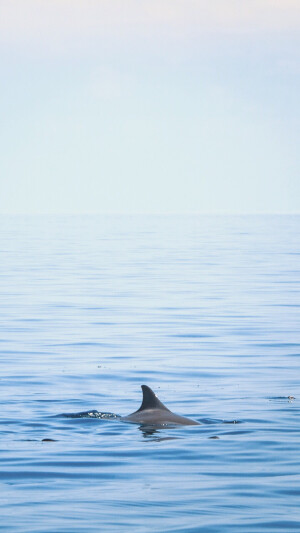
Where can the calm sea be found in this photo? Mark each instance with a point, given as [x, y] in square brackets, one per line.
[205, 310]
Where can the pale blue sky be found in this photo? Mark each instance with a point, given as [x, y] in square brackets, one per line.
[149, 106]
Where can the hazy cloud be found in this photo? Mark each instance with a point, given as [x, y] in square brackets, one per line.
[63, 24]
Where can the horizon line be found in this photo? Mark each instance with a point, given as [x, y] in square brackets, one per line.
[153, 213]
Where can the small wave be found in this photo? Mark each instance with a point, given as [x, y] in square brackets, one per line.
[191, 335]
[84, 344]
[232, 421]
[92, 414]
[282, 398]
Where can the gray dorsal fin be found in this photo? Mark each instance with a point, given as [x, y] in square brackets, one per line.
[150, 400]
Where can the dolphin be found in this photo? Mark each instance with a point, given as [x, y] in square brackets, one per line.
[154, 413]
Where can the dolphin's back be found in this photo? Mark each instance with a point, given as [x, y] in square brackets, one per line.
[154, 412]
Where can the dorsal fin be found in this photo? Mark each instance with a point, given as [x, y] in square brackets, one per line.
[150, 400]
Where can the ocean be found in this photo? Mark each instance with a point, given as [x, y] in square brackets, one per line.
[204, 310]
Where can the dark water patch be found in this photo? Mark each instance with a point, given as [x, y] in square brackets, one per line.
[209, 421]
[285, 305]
[191, 335]
[33, 425]
[290, 492]
[78, 464]
[45, 475]
[28, 440]
[278, 345]
[245, 432]
[53, 400]
[258, 421]
[34, 319]
[278, 525]
[24, 352]
[232, 422]
[8, 422]
[85, 344]
[104, 308]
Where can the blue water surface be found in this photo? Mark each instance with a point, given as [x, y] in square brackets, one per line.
[203, 309]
